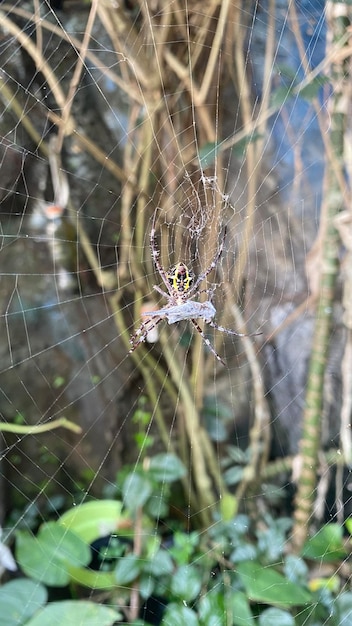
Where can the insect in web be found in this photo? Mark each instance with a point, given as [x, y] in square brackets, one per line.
[182, 287]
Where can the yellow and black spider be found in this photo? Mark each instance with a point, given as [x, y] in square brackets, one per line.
[181, 288]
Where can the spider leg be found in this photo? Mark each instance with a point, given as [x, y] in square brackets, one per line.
[155, 255]
[142, 332]
[213, 264]
[159, 290]
[207, 342]
[231, 332]
[210, 292]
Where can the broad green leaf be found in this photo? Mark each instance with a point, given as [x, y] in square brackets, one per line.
[215, 414]
[276, 617]
[179, 615]
[326, 544]
[266, 585]
[19, 600]
[158, 507]
[216, 428]
[127, 569]
[160, 564]
[47, 556]
[241, 612]
[237, 455]
[146, 586]
[344, 608]
[166, 468]
[280, 96]
[286, 72]
[233, 475]
[136, 490]
[214, 407]
[211, 609]
[311, 90]
[209, 152]
[92, 578]
[92, 520]
[186, 583]
[72, 613]
[228, 506]
[184, 546]
[271, 541]
[244, 552]
[295, 569]
[239, 148]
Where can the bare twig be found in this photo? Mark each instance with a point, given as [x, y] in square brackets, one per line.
[76, 75]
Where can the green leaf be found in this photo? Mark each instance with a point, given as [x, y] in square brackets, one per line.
[178, 615]
[91, 578]
[47, 557]
[89, 521]
[211, 609]
[128, 569]
[166, 468]
[214, 407]
[146, 586]
[280, 96]
[326, 545]
[19, 600]
[244, 552]
[310, 91]
[286, 71]
[242, 615]
[228, 507]
[266, 585]
[58, 382]
[158, 506]
[344, 608]
[184, 546]
[295, 569]
[143, 441]
[186, 583]
[136, 490]
[233, 475]
[216, 428]
[276, 617]
[71, 613]
[271, 541]
[240, 147]
[160, 564]
[237, 455]
[92, 520]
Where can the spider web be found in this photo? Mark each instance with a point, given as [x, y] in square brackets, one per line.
[192, 114]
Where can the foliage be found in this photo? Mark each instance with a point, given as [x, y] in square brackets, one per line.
[236, 572]
[22, 602]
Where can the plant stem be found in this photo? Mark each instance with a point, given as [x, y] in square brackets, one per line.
[310, 442]
[206, 497]
[36, 429]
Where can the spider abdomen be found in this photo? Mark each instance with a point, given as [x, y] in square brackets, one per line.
[180, 277]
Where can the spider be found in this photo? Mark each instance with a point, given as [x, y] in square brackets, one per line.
[182, 287]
